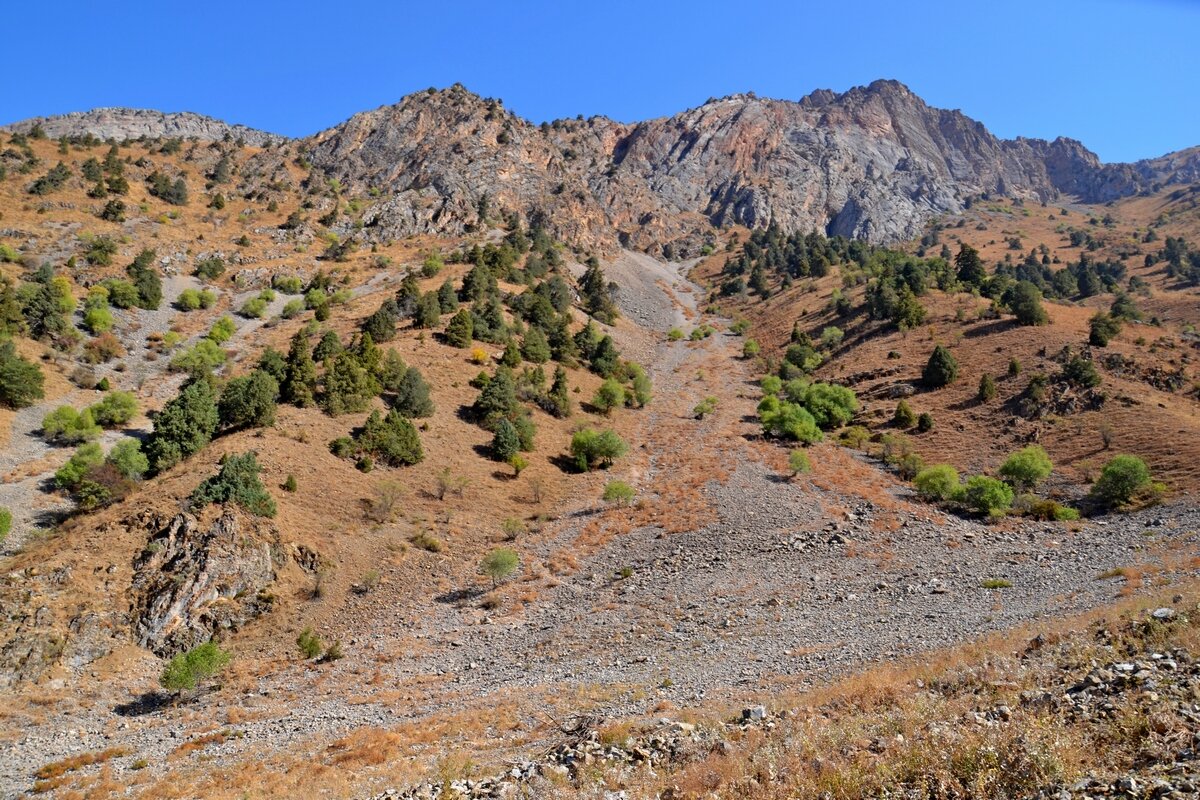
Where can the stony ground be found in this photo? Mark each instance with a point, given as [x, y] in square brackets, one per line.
[726, 582]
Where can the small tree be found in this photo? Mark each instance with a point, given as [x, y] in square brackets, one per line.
[941, 369]
[20, 380]
[618, 493]
[392, 439]
[184, 426]
[1120, 480]
[188, 670]
[412, 395]
[987, 388]
[591, 448]
[309, 643]
[750, 349]
[904, 417]
[505, 442]
[460, 329]
[924, 422]
[499, 564]
[236, 482]
[798, 462]
[1025, 301]
[249, 401]
[610, 395]
[1026, 468]
[1102, 328]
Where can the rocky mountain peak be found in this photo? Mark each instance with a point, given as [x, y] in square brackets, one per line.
[133, 123]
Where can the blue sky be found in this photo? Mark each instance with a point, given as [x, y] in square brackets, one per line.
[1123, 77]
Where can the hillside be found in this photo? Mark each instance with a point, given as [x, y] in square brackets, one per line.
[438, 599]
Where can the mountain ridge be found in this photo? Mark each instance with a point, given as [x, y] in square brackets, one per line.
[874, 162]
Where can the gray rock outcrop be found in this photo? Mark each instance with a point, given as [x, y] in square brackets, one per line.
[134, 123]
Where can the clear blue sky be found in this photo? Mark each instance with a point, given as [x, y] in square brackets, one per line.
[1123, 77]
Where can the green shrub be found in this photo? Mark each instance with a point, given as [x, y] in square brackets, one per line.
[591, 448]
[249, 401]
[236, 482]
[904, 417]
[499, 564]
[924, 422]
[254, 308]
[184, 426]
[788, 420]
[987, 495]
[309, 643]
[115, 408]
[674, 335]
[751, 349]
[1102, 328]
[1027, 467]
[1121, 479]
[188, 670]
[288, 284]
[831, 406]
[292, 308]
[987, 388]
[619, 493]
[200, 359]
[392, 439]
[222, 330]
[127, 458]
[1080, 371]
[610, 395]
[5, 523]
[290, 484]
[71, 473]
[68, 426]
[939, 482]
[798, 462]
[941, 369]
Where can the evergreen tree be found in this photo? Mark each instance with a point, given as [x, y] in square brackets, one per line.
[941, 369]
[184, 426]
[412, 395]
[1025, 301]
[20, 380]
[381, 325]
[429, 311]
[511, 357]
[558, 401]
[605, 358]
[249, 401]
[348, 387]
[447, 297]
[971, 272]
[534, 347]
[498, 397]
[329, 346]
[301, 377]
[460, 330]
[596, 293]
[391, 440]
[505, 442]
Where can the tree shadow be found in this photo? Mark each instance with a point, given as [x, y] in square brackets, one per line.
[460, 596]
[996, 326]
[146, 703]
[565, 463]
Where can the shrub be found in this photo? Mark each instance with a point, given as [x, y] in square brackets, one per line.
[222, 330]
[20, 380]
[987, 495]
[1121, 478]
[798, 462]
[771, 384]
[188, 670]
[292, 308]
[939, 482]
[309, 643]
[751, 349]
[126, 458]
[831, 406]
[1102, 328]
[254, 308]
[610, 395]
[236, 482]
[249, 401]
[71, 473]
[1080, 371]
[199, 359]
[924, 422]
[1027, 467]
[619, 493]
[5, 523]
[392, 439]
[1025, 301]
[1014, 368]
[348, 387]
[789, 420]
[499, 564]
[68, 426]
[591, 449]
[831, 337]
[855, 436]
[674, 335]
[705, 407]
[97, 319]
[941, 369]
[115, 408]
[505, 442]
[987, 388]
[904, 417]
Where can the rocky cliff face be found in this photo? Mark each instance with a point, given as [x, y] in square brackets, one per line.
[133, 123]
[875, 163]
[193, 582]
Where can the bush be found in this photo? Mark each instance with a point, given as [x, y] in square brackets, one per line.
[1025, 301]
[68, 426]
[674, 335]
[941, 369]
[1026, 468]
[618, 493]
[1080, 371]
[126, 458]
[115, 408]
[505, 442]
[236, 482]
[924, 422]
[1102, 328]
[705, 407]
[1120, 481]
[222, 330]
[5, 523]
[309, 643]
[939, 482]
[798, 462]
[987, 389]
[831, 406]
[591, 449]
[20, 380]
[249, 401]
[254, 308]
[789, 420]
[348, 387]
[751, 349]
[188, 670]
[987, 495]
[71, 473]
[200, 359]
[288, 284]
[392, 439]
[610, 395]
[499, 564]
[904, 417]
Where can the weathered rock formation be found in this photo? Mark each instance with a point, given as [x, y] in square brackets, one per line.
[191, 582]
[134, 123]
